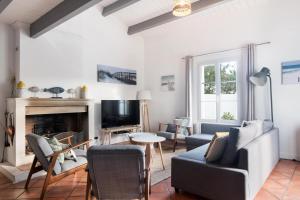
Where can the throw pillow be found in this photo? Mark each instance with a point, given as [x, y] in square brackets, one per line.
[213, 139]
[171, 128]
[259, 126]
[217, 147]
[56, 146]
[238, 138]
[69, 155]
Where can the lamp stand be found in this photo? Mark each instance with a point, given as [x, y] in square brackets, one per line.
[145, 116]
[271, 97]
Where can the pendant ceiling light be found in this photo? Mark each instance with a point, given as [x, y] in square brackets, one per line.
[182, 8]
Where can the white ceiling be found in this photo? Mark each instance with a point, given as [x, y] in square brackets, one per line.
[28, 11]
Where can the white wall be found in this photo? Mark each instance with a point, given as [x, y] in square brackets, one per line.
[231, 25]
[6, 70]
[68, 56]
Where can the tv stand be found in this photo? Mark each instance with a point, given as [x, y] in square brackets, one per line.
[106, 132]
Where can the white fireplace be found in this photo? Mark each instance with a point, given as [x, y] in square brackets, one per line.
[28, 114]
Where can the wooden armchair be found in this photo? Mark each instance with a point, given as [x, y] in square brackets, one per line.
[48, 160]
[175, 132]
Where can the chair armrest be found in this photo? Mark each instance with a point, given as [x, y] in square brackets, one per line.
[68, 138]
[68, 149]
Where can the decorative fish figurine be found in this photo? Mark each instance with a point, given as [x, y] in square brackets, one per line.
[55, 91]
[34, 90]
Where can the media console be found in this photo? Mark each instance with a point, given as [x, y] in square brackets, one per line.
[106, 132]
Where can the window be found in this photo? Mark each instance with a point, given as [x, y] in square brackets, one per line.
[218, 91]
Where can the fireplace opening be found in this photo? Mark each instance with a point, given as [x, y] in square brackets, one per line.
[58, 125]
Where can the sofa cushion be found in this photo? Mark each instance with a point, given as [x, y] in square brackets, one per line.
[196, 154]
[198, 139]
[216, 147]
[210, 128]
[238, 138]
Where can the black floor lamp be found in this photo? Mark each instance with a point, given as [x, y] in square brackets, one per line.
[260, 79]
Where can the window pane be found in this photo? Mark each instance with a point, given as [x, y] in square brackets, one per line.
[208, 79]
[208, 92]
[228, 96]
[208, 110]
[228, 77]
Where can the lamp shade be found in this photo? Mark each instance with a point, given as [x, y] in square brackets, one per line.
[182, 8]
[144, 95]
[260, 78]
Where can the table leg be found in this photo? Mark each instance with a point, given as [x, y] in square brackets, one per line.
[148, 155]
[161, 156]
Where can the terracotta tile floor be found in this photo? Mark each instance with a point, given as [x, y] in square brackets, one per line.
[284, 183]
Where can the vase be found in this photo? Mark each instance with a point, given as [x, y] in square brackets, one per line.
[21, 93]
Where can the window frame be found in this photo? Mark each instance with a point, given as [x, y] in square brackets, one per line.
[217, 61]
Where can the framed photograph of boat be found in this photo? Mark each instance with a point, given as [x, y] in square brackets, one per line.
[109, 74]
[291, 72]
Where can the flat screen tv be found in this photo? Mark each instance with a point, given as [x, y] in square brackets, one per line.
[116, 113]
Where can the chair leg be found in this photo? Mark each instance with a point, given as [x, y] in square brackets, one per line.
[31, 172]
[46, 183]
[88, 188]
[174, 146]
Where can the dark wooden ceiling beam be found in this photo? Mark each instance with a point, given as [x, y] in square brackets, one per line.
[4, 4]
[168, 17]
[59, 14]
[116, 6]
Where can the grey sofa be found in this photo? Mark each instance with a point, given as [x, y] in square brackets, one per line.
[207, 132]
[255, 161]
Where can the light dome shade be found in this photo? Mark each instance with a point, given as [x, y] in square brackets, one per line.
[182, 8]
[260, 78]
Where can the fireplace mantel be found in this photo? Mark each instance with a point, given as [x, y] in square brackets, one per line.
[20, 107]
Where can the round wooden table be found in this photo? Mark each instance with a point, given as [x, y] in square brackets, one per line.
[148, 139]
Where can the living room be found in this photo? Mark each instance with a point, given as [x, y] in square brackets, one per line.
[221, 63]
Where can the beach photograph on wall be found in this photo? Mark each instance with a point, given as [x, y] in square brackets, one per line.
[291, 72]
[167, 83]
[109, 74]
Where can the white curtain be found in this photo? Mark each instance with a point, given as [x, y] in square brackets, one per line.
[250, 66]
[188, 101]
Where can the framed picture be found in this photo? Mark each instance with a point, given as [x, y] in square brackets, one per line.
[167, 83]
[109, 74]
[291, 72]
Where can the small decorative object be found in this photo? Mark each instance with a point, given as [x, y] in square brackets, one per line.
[108, 74]
[84, 90]
[291, 72]
[20, 89]
[71, 91]
[167, 83]
[182, 8]
[55, 91]
[34, 90]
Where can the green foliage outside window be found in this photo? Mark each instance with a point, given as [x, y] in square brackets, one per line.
[209, 80]
[228, 79]
[228, 116]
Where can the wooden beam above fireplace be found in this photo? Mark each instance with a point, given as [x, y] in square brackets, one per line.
[39, 110]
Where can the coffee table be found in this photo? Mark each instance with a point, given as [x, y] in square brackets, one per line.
[148, 139]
